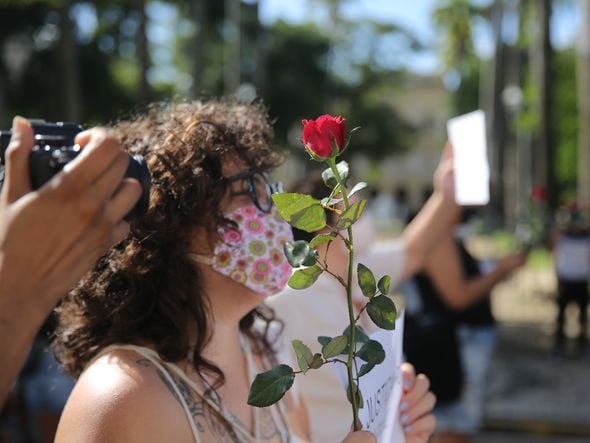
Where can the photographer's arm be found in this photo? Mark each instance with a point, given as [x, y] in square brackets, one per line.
[433, 221]
[50, 237]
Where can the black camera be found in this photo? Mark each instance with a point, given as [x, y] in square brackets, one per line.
[55, 147]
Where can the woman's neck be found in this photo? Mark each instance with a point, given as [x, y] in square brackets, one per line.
[229, 303]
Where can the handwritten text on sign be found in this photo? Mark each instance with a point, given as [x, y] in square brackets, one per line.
[382, 388]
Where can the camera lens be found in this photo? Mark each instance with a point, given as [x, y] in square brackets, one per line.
[49, 156]
[138, 170]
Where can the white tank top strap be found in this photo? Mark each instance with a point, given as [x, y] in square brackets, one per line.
[164, 368]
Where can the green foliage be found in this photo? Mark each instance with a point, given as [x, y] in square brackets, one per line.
[359, 335]
[371, 351]
[366, 368]
[317, 361]
[455, 18]
[384, 284]
[320, 239]
[110, 57]
[301, 211]
[335, 346]
[270, 386]
[289, 204]
[351, 215]
[368, 102]
[366, 281]
[299, 253]
[466, 97]
[357, 393]
[311, 219]
[295, 56]
[382, 311]
[303, 355]
[566, 123]
[304, 278]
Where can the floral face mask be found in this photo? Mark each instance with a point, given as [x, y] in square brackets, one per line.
[253, 254]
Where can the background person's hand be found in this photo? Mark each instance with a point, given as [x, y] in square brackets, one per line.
[513, 262]
[444, 179]
[416, 406]
[50, 237]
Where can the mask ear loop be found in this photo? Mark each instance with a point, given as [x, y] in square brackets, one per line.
[198, 258]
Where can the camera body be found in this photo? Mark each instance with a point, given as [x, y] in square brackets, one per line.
[55, 147]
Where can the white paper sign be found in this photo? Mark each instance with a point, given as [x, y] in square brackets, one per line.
[467, 134]
[382, 387]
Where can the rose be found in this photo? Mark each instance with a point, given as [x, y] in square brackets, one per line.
[539, 194]
[324, 139]
[322, 136]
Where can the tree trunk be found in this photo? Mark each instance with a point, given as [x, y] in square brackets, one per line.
[199, 13]
[496, 122]
[262, 42]
[143, 54]
[584, 105]
[69, 80]
[544, 169]
[3, 116]
[232, 61]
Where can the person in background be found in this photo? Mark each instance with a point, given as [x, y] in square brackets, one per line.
[452, 336]
[50, 237]
[381, 206]
[571, 251]
[167, 333]
[306, 309]
[401, 208]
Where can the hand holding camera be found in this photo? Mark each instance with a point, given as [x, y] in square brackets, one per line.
[55, 146]
[51, 237]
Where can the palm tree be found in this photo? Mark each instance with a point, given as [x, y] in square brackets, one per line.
[455, 18]
[584, 104]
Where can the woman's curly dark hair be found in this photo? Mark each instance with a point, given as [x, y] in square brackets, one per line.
[146, 290]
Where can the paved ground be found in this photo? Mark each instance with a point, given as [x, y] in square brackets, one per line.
[503, 437]
[532, 396]
[531, 391]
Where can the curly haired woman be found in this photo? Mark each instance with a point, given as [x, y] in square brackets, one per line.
[170, 328]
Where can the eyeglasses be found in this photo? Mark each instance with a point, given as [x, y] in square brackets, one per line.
[259, 187]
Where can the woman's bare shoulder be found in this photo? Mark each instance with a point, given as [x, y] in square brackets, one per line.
[121, 396]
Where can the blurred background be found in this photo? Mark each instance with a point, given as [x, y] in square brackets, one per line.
[399, 70]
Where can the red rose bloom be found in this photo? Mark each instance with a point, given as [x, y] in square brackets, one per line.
[320, 135]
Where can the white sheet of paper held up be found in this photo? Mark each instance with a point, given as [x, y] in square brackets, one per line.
[382, 387]
[467, 134]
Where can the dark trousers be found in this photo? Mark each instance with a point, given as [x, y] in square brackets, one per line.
[568, 292]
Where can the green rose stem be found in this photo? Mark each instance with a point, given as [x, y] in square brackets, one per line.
[352, 343]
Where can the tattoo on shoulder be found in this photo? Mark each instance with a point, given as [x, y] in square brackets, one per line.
[206, 419]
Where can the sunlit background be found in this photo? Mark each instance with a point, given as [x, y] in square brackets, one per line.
[399, 69]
